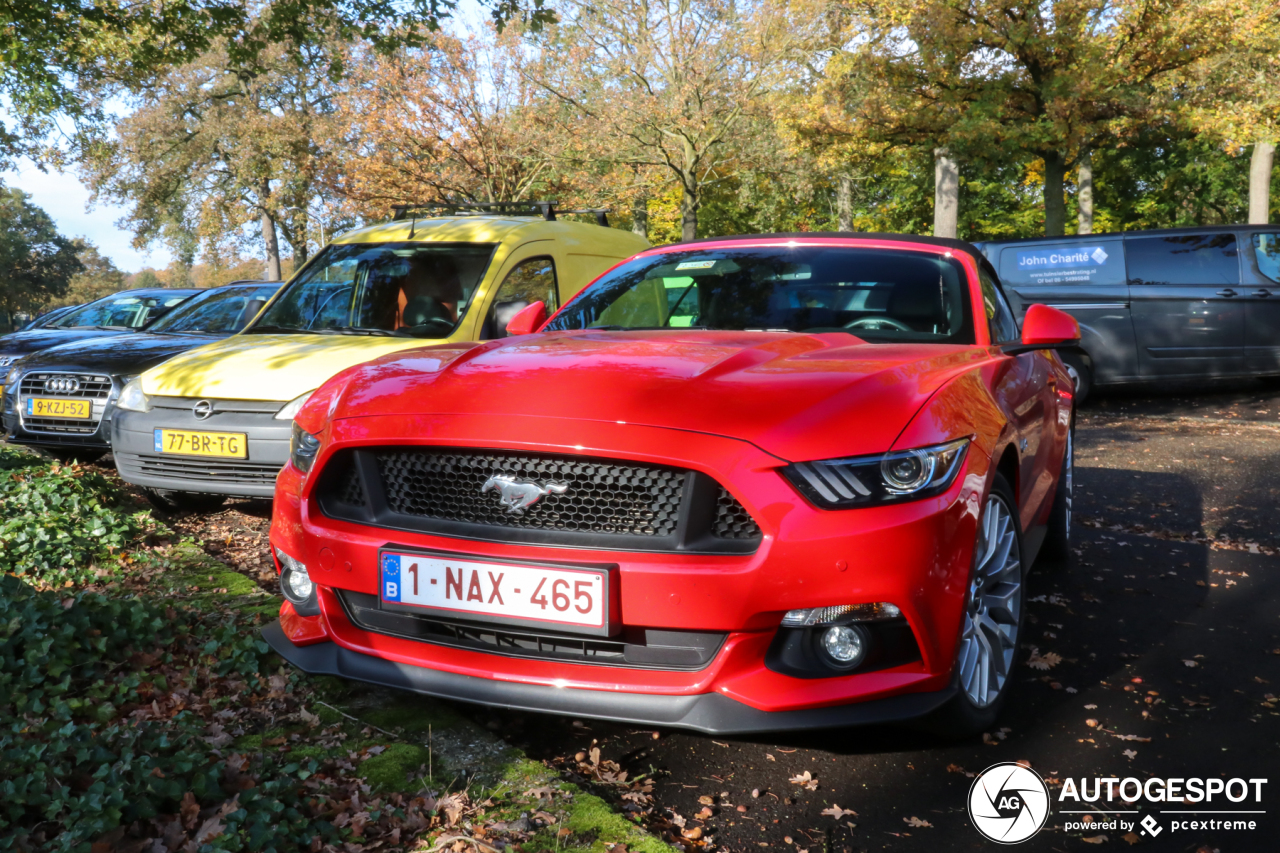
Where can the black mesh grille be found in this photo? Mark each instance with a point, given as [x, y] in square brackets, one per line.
[352, 491]
[599, 497]
[732, 519]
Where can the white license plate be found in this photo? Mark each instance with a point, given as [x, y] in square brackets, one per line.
[497, 592]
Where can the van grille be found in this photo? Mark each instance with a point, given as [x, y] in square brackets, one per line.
[220, 470]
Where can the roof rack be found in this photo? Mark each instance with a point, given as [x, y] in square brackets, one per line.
[546, 209]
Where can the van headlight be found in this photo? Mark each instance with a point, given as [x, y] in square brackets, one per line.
[303, 447]
[292, 407]
[132, 399]
[904, 475]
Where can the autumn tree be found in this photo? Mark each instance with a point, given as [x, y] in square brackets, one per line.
[57, 52]
[454, 121]
[98, 277]
[665, 86]
[220, 147]
[36, 262]
[1001, 79]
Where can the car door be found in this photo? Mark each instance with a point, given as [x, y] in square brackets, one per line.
[1025, 392]
[1086, 278]
[1262, 294]
[1187, 303]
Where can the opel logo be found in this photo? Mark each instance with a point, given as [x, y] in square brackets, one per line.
[202, 410]
[517, 494]
[62, 385]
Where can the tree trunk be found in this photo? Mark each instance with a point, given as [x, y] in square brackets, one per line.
[844, 203]
[1084, 195]
[689, 211]
[272, 272]
[946, 194]
[640, 217]
[1260, 182]
[1055, 206]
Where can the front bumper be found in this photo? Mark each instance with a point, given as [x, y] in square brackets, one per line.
[134, 445]
[711, 713]
[915, 555]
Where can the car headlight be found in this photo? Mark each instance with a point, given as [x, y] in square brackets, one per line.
[303, 447]
[132, 399]
[904, 475]
[292, 407]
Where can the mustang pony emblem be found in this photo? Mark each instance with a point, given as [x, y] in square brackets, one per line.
[517, 494]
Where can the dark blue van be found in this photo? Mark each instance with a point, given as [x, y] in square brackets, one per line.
[1179, 303]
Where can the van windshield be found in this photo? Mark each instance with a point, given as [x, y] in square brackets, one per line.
[404, 289]
[877, 294]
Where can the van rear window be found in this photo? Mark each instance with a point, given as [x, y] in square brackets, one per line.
[1183, 259]
[1092, 262]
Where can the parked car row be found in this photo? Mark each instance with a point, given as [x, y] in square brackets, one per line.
[1184, 303]
[741, 484]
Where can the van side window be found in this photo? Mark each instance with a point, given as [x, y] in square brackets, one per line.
[999, 315]
[531, 280]
[1183, 259]
[1266, 250]
[1082, 261]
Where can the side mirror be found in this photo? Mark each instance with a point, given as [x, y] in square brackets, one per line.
[529, 320]
[1046, 328]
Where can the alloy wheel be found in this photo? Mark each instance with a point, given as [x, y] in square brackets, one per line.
[993, 608]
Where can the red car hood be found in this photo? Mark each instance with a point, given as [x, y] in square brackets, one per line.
[795, 396]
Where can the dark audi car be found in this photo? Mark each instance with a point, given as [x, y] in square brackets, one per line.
[118, 314]
[60, 399]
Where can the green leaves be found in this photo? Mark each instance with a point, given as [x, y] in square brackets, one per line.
[56, 521]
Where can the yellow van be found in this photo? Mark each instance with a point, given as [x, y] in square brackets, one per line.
[216, 421]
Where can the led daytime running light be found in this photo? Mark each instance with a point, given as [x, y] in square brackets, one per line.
[841, 612]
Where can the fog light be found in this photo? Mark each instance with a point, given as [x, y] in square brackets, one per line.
[295, 583]
[843, 645]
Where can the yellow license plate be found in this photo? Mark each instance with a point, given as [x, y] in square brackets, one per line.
[228, 445]
[40, 407]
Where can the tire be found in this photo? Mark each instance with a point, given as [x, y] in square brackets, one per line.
[1081, 374]
[1002, 608]
[1056, 550]
[171, 501]
[67, 455]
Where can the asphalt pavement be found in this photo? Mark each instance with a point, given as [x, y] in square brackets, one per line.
[1157, 655]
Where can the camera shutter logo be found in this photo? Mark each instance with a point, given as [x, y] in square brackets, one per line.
[1008, 803]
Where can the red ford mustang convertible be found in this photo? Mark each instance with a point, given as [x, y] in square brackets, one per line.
[734, 485]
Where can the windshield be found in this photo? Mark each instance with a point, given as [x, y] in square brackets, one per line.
[877, 294]
[220, 310]
[122, 311]
[390, 288]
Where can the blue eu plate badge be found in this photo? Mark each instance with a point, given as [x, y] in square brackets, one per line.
[390, 577]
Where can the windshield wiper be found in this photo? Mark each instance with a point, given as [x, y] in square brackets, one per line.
[360, 330]
[288, 330]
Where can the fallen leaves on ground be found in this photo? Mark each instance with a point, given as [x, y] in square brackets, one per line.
[836, 812]
[805, 780]
[1046, 661]
[916, 822]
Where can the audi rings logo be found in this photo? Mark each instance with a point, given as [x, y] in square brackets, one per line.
[62, 385]
[202, 410]
[1008, 803]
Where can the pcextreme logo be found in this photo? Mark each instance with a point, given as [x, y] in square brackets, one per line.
[1008, 803]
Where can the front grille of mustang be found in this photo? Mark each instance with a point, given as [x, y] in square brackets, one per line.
[222, 470]
[635, 647]
[604, 503]
[90, 387]
[600, 497]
